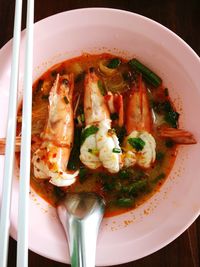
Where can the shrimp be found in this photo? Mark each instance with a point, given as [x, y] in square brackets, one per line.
[100, 145]
[51, 158]
[139, 146]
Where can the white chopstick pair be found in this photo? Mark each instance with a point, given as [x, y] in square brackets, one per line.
[22, 245]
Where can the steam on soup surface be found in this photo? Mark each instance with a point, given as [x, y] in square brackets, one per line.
[102, 123]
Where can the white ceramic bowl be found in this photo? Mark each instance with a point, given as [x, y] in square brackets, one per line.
[168, 213]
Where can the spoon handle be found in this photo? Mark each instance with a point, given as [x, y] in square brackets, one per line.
[81, 215]
[82, 236]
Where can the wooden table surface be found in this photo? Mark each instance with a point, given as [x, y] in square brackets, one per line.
[182, 17]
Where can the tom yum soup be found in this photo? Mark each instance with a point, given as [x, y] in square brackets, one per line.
[102, 123]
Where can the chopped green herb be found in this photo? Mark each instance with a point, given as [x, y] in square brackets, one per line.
[136, 143]
[58, 192]
[101, 87]
[140, 174]
[124, 189]
[124, 174]
[66, 100]
[82, 174]
[121, 132]
[169, 143]
[172, 118]
[124, 202]
[166, 91]
[72, 165]
[78, 120]
[87, 132]
[166, 108]
[107, 186]
[82, 117]
[160, 156]
[157, 106]
[46, 97]
[158, 178]
[147, 74]
[116, 150]
[114, 116]
[114, 63]
[90, 150]
[139, 186]
[74, 161]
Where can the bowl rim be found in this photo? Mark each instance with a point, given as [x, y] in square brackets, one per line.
[101, 9]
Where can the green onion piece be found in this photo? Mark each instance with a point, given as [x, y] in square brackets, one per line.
[82, 174]
[82, 117]
[87, 132]
[114, 63]
[124, 174]
[66, 100]
[120, 132]
[101, 87]
[46, 97]
[139, 186]
[124, 202]
[58, 192]
[78, 120]
[149, 75]
[172, 118]
[107, 186]
[116, 150]
[74, 161]
[136, 143]
[72, 165]
[158, 178]
[90, 150]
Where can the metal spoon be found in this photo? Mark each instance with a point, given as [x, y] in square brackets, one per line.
[81, 215]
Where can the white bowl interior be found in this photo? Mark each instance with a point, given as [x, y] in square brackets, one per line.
[168, 213]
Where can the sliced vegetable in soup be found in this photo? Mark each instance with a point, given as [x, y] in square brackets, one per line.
[104, 124]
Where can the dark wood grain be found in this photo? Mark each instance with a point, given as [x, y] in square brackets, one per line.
[182, 17]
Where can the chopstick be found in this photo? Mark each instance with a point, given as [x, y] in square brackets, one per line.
[22, 243]
[11, 132]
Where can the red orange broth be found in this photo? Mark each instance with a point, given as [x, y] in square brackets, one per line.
[43, 187]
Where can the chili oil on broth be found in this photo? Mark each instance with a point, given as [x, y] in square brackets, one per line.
[111, 186]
